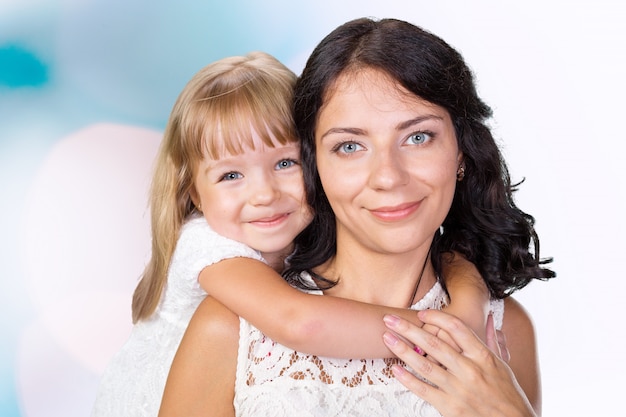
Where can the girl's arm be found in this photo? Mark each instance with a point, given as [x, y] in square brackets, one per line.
[469, 296]
[324, 326]
[201, 381]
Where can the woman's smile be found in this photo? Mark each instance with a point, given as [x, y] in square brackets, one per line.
[395, 213]
[387, 161]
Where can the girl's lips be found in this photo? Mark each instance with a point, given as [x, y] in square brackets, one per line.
[395, 213]
[270, 221]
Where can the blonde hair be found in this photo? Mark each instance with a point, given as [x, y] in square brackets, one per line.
[213, 115]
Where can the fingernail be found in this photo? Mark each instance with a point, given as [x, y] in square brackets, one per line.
[398, 370]
[390, 339]
[391, 320]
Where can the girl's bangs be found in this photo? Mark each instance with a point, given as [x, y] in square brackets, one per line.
[230, 119]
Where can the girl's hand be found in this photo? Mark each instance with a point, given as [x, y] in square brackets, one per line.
[473, 382]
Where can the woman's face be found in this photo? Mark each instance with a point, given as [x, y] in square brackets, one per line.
[387, 161]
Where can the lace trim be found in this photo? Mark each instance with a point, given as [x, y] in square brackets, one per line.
[267, 360]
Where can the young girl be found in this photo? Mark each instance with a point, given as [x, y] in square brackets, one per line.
[227, 200]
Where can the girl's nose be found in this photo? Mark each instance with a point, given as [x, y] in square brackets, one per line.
[263, 191]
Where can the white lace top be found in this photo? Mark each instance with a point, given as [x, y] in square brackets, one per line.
[273, 380]
[133, 382]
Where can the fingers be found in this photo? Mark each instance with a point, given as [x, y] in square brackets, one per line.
[474, 382]
[438, 351]
[470, 345]
[436, 331]
[422, 389]
[504, 350]
[420, 364]
[432, 330]
[491, 337]
[474, 353]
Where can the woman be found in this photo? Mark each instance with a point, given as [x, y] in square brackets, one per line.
[395, 146]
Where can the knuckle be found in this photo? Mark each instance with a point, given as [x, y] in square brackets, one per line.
[455, 324]
[424, 367]
[433, 343]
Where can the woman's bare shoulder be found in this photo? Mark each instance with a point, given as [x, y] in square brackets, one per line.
[519, 331]
[516, 316]
[213, 319]
[202, 377]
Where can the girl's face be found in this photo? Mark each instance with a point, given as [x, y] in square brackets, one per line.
[256, 197]
[387, 161]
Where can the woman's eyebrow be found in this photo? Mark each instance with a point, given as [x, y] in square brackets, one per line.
[400, 126]
[408, 123]
[350, 130]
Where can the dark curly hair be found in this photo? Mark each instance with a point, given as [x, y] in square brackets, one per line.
[483, 223]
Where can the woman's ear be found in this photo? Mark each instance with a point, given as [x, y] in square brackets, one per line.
[460, 172]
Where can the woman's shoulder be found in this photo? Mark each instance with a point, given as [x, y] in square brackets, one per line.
[517, 325]
[519, 333]
[202, 376]
[213, 319]
[516, 318]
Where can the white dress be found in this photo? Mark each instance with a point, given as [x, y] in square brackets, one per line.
[273, 380]
[134, 380]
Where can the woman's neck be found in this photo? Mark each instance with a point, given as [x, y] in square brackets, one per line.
[379, 278]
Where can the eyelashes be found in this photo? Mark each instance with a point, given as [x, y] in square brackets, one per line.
[230, 176]
[347, 147]
[418, 138]
[285, 163]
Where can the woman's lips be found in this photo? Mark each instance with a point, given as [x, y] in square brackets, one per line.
[396, 213]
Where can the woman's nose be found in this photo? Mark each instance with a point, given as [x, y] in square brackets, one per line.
[388, 170]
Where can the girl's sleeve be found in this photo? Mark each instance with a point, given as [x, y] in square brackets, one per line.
[198, 247]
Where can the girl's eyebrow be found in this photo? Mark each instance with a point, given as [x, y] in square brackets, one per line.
[214, 164]
[400, 126]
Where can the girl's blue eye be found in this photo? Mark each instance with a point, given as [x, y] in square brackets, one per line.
[419, 137]
[285, 163]
[349, 147]
[230, 176]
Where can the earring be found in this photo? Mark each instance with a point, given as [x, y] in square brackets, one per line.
[199, 208]
[460, 173]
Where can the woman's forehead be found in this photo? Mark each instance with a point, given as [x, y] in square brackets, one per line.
[374, 87]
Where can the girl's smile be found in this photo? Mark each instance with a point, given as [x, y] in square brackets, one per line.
[256, 197]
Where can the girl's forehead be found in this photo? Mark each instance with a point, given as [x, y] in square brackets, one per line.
[227, 143]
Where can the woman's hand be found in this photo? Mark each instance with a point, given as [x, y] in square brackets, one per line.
[474, 382]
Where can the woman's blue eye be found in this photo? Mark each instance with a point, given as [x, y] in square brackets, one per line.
[349, 147]
[230, 176]
[285, 163]
[419, 138]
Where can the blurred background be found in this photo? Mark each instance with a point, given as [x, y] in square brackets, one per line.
[85, 91]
